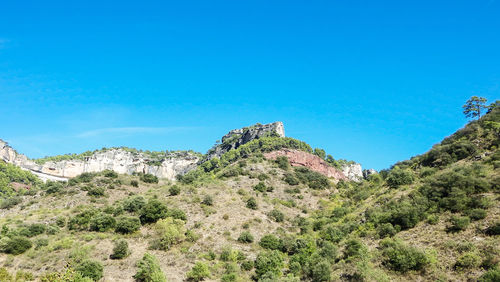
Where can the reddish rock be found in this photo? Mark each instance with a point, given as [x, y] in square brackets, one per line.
[315, 163]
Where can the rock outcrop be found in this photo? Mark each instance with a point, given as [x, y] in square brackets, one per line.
[368, 172]
[119, 160]
[237, 137]
[315, 163]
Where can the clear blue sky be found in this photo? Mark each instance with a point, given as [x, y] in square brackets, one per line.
[371, 81]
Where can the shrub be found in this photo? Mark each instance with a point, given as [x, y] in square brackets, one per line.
[290, 179]
[467, 260]
[96, 191]
[492, 275]
[283, 162]
[312, 179]
[247, 265]
[271, 242]
[10, 202]
[134, 183]
[277, 215]
[477, 214]
[52, 187]
[134, 203]
[398, 177]
[433, 219]
[102, 222]
[403, 258]
[36, 229]
[494, 229]
[127, 224]
[85, 177]
[110, 173]
[321, 271]
[354, 249]
[458, 223]
[81, 220]
[148, 270]
[252, 203]
[386, 229]
[15, 245]
[91, 269]
[268, 262]
[199, 272]
[153, 211]
[174, 190]
[170, 232]
[261, 187]
[120, 250]
[245, 237]
[177, 214]
[148, 178]
[208, 200]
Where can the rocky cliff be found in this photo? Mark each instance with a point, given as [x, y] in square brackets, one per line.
[237, 137]
[119, 160]
[313, 162]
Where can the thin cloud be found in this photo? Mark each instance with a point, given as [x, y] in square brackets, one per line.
[131, 131]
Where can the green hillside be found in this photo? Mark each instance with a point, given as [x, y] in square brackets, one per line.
[435, 217]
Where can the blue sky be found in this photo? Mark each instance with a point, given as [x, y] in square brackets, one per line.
[371, 81]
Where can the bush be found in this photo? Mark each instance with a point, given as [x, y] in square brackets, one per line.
[120, 250]
[290, 179]
[91, 269]
[96, 191]
[283, 162]
[398, 177]
[252, 203]
[277, 215]
[134, 183]
[354, 249]
[148, 270]
[245, 237]
[199, 272]
[102, 222]
[174, 190]
[208, 200]
[494, 229]
[177, 214]
[148, 178]
[127, 224]
[134, 203]
[247, 265]
[268, 262]
[271, 242]
[433, 219]
[35, 229]
[10, 202]
[477, 214]
[458, 223]
[15, 245]
[492, 275]
[403, 258]
[52, 187]
[386, 229]
[312, 179]
[321, 271]
[170, 232]
[81, 220]
[153, 211]
[261, 187]
[467, 260]
[110, 174]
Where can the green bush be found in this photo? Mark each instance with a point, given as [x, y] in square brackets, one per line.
[458, 223]
[467, 260]
[199, 272]
[148, 270]
[386, 229]
[433, 219]
[208, 200]
[312, 179]
[268, 262]
[15, 245]
[354, 249]
[245, 237]
[102, 222]
[398, 177]
[153, 211]
[52, 187]
[10, 202]
[177, 214]
[492, 275]
[134, 183]
[96, 191]
[170, 232]
[477, 214]
[120, 250]
[247, 265]
[134, 203]
[174, 190]
[261, 187]
[81, 220]
[110, 173]
[127, 224]
[252, 203]
[283, 162]
[290, 179]
[91, 269]
[276, 215]
[320, 271]
[494, 229]
[403, 258]
[271, 242]
[148, 178]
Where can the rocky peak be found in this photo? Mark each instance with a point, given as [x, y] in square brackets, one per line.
[237, 137]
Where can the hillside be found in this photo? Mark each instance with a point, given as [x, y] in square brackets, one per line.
[246, 214]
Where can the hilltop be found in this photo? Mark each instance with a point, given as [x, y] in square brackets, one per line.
[265, 207]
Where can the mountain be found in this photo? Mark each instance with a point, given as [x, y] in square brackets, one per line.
[261, 206]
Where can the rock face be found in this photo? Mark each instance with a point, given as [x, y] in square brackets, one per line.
[237, 137]
[315, 163]
[368, 172]
[118, 160]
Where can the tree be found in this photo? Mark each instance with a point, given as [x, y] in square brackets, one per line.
[473, 107]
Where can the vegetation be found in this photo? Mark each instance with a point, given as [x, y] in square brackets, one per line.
[148, 270]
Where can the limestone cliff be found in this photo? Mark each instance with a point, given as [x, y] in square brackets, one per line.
[237, 137]
[119, 160]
